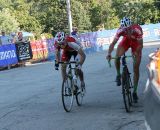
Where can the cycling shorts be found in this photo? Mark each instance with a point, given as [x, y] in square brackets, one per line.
[66, 55]
[127, 43]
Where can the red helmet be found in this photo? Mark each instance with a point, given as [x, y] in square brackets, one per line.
[60, 37]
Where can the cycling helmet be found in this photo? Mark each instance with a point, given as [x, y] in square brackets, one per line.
[125, 22]
[60, 37]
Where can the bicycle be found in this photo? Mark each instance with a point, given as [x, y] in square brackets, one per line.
[126, 84]
[71, 87]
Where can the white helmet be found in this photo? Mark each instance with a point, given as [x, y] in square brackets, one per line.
[60, 37]
[125, 22]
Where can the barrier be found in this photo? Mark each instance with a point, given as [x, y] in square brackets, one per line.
[152, 93]
[8, 55]
[39, 50]
[23, 51]
[91, 42]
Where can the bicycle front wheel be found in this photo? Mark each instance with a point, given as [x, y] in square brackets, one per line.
[126, 90]
[67, 94]
[80, 93]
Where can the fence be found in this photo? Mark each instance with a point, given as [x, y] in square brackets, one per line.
[91, 42]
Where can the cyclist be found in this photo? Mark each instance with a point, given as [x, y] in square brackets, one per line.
[69, 48]
[132, 38]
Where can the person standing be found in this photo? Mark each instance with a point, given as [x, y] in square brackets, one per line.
[4, 40]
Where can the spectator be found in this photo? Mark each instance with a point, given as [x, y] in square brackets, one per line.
[74, 34]
[19, 39]
[13, 37]
[4, 40]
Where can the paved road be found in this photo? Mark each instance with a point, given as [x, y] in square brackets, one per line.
[30, 99]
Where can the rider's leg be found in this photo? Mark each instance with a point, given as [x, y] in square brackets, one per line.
[136, 66]
[65, 58]
[120, 51]
[63, 71]
[137, 52]
[81, 76]
[80, 72]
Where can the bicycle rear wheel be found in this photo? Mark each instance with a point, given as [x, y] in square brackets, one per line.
[126, 90]
[67, 94]
[80, 93]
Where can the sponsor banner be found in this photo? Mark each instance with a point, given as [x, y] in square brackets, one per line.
[39, 50]
[8, 55]
[23, 50]
[151, 32]
[51, 49]
[101, 39]
[88, 42]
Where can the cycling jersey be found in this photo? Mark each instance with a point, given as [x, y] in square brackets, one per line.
[71, 45]
[134, 32]
[69, 50]
[131, 35]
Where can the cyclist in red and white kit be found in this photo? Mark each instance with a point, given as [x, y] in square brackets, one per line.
[69, 48]
[132, 38]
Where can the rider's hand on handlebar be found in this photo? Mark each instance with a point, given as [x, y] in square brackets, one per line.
[108, 57]
[56, 65]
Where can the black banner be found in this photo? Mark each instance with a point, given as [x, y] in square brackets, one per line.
[23, 50]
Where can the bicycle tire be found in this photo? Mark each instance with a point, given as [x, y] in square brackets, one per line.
[67, 92]
[130, 94]
[79, 94]
[126, 90]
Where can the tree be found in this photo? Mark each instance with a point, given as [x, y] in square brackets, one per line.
[8, 21]
[142, 12]
[80, 16]
[102, 14]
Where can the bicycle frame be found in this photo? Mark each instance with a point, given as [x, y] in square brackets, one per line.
[126, 83]
[71, 90]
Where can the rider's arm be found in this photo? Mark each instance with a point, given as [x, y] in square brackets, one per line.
[140, 41]
[111, 46]
[57, 52]
[82, 56]
[57, 55]
[139, 35]
[119, 33]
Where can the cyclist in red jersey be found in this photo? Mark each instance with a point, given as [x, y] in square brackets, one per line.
[132, 38]
[69, 48]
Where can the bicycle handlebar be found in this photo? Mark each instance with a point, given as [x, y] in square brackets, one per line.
[70, 62]
[124, 56]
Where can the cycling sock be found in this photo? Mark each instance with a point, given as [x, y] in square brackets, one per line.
[135, 88]
[118, 73]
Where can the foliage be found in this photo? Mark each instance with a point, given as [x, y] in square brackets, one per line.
[8, 22]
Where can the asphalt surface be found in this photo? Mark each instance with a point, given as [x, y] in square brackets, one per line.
[30, 98]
